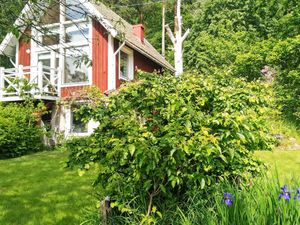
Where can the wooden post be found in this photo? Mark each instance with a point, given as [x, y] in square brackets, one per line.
[20, 76]
[21, 72]
[105, 209]
[59, 82]
[178, 39]
[40, 77]
[163, 42]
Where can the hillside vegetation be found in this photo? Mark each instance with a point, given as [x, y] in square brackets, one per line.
[172, 150]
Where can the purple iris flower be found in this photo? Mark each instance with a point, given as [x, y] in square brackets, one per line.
[285, 193]
[297, 195]
[227, 200]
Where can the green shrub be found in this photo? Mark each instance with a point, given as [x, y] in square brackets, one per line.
[285, 58]
[163, 136]
[19, 133]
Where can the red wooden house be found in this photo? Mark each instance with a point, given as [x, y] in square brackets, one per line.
[73, 44]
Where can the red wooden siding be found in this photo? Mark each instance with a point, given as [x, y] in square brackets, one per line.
[69, 91]
[143, 63]
[24, 57]
[100, 56]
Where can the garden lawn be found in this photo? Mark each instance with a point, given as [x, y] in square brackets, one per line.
[286, 163]
[38, 189]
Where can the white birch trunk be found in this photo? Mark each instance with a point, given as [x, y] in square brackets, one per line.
[178, 40]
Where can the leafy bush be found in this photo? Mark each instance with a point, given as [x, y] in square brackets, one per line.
[285, 58]
[164, 135]
[19, 133]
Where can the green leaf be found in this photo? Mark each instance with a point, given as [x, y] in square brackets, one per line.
[131, 149]
[223, 158]
[202, 183]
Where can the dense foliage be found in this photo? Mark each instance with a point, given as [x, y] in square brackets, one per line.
[285, 58]
[242, 37]
[164, 135]
[19, 133]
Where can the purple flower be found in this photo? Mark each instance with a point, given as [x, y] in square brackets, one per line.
[285, 193]
[297, 195]
[227, 199]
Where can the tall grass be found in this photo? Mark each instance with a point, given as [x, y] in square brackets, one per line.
[256, 203]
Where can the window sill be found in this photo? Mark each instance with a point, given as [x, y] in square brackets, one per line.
[126, 79]
[75, 85]
[79, 134]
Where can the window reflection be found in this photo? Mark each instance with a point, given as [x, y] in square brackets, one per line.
[124, 65]
[76, 71]
[77, 125]
[52, 14]
[74, 10]
[77, 33]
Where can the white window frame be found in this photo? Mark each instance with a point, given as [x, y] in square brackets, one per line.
[85, 83]
[72, 114]
[91, 125]
[60, 48]
[130, 68]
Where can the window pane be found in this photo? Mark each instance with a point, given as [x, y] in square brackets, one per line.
[124, 63]
[50, 39]
[76, 71]
[77, 33]
[45, 59]
[74, 10]
[77, 125]
[52, 14]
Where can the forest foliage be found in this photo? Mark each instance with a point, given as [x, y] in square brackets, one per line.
[241, 38]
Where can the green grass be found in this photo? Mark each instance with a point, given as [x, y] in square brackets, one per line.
[37, 189]
[287, 163]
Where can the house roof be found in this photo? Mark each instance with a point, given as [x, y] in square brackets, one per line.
[126, 31]
[111, 21]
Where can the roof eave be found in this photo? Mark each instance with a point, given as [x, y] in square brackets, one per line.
[103, 21]
[164, 65]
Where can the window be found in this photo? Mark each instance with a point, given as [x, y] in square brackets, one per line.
[126, 64]
[52, 14]
[74, 10]
[50, 39]
[124, 61]
[76, 69]
[76, 33]
[77, 125]
[65, 30]
[48, 59]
